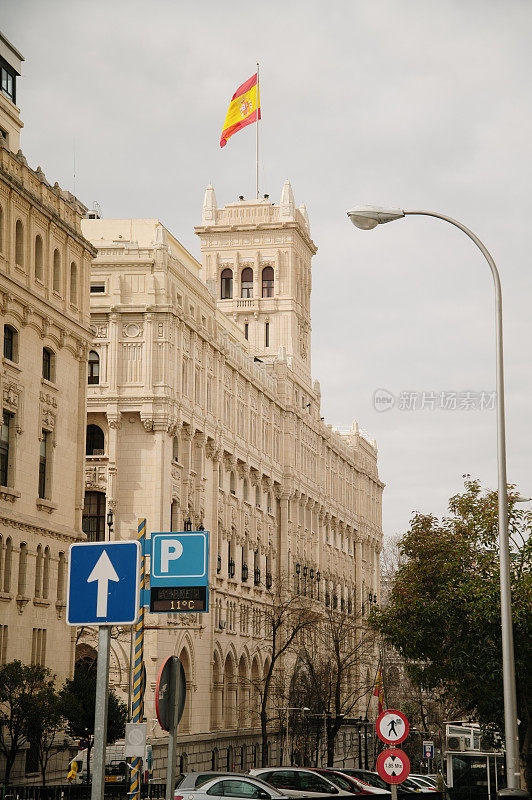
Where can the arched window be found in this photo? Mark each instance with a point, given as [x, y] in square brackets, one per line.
[73, 284]
[61, 577]
[19, 243]
[246, 283]
[257, 496]
[7, 565]
[245, 490]
[214, 759]
[22, 568]
[227, 284]
[48, 364]
[269, 503]
[56, 277]
[232, 483]
[46, 574]
[93, 522]
[10, 343]
[267, 282]
[94, 368]
[38, 572]
[38, 258]
[95, 441]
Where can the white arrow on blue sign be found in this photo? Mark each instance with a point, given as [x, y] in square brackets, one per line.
[103, 583]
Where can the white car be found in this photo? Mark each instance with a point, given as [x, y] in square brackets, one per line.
[238, 787]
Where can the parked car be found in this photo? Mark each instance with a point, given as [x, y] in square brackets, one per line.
[418, 785]
[191, 780]
[351, 784]
[375, 780]
[299, 781]
[428, 779]
[239, 787]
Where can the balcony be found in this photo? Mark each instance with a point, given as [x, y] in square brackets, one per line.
[269, 580]
[256, 576]
[231, 568]
[245, 573]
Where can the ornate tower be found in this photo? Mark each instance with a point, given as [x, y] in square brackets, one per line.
[257, 261]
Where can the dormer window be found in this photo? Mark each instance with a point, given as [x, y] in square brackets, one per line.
[8, 79]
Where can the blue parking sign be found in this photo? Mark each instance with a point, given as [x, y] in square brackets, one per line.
[103, 583]
[179, 572]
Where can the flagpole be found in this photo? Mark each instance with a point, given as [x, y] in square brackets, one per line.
[257, 137]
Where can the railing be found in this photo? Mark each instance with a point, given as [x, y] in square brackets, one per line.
[80, 791]
[219, 565]
[231, 568]
[256, 576]
[269, 580]
[245, 572]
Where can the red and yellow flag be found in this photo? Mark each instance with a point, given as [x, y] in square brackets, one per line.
[244, 109]
[378, 691]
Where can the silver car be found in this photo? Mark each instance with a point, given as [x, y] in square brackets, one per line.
[240, 787]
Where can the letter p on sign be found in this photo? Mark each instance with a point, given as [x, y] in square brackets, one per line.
[170, 551]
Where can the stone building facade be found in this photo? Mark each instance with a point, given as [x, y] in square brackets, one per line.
[44, 325]
[201, 407]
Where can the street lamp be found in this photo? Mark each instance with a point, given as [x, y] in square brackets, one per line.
[366, 218]
[286, 749]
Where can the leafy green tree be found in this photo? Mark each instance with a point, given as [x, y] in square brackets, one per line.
[78, 699]
[45, 721]
[20, 685]
[444, 611]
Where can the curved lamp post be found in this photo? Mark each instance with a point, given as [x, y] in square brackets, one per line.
[366, 218]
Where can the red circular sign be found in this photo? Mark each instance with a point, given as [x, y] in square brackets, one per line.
[392, 726]
[393, 765]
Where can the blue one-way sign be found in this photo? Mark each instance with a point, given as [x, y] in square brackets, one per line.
[103, 583]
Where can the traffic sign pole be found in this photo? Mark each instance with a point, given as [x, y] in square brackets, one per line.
[176, 688]
[100, 712]
[138, 688]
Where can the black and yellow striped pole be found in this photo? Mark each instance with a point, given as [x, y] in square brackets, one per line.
[138, 683]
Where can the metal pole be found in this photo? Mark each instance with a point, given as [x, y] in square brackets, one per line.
[257, 136]
[100, 712]
[511, 735]
[286, 751]
[174, 702]
[137, 712]
[394, 791]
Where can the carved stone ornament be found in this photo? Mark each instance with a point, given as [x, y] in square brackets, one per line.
[148, 424]
[99, 331]
[47, 419]
[11, 396]
[132, 330]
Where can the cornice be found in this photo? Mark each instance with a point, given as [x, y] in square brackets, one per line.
[26, 525]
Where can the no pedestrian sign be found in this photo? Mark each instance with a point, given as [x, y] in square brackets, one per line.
[392, 726]
[393, 766]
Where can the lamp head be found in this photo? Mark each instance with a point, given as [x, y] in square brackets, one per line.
[368, 217]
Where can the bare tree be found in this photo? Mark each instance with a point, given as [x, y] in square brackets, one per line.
[335, 671]
[285, 615]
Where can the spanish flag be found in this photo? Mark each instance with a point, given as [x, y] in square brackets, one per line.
[244, 109]
[378, 691]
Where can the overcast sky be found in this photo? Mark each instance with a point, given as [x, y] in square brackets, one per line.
[420, 104]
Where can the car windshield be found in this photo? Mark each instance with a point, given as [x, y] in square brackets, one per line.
[340, 780]
[369, 777]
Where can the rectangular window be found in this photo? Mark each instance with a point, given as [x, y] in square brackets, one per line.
[9, 343]
[38, 646]
[97, 288]
[5, 444]
[46, 364]
[246, 330]
[43, 455]
[3, 644]
[267, 335]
